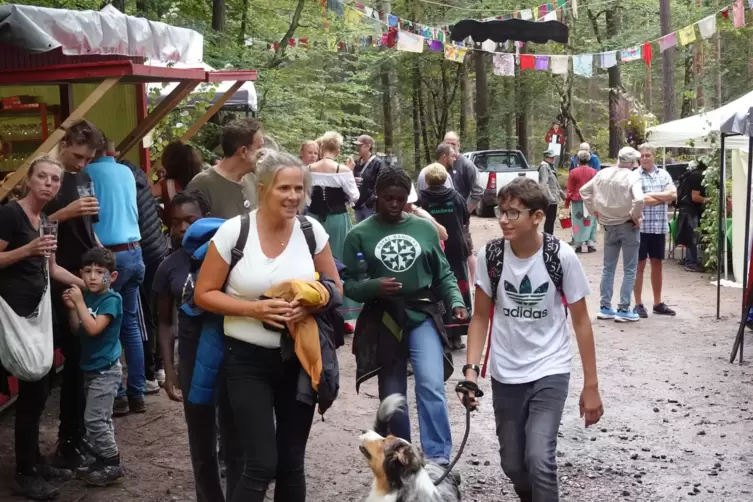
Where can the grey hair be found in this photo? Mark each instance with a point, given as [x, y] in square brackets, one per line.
[269, 162]
[584, 146]
[270, 143]
[647, 146]
[627, 155]
[584, 157]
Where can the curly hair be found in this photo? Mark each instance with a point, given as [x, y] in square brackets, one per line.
[181, 162]
[193, 197]
[393, 177]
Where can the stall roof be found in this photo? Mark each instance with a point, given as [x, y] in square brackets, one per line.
[127, 71]
[90, 33]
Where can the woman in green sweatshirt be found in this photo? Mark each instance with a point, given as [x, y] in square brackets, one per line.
[407, 274]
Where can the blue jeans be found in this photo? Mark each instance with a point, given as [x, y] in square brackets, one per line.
[627, 238]
[130, 266]
[362, 213]
[426, 356]
[528, 418]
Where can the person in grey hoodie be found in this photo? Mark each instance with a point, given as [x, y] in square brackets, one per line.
[551, 186]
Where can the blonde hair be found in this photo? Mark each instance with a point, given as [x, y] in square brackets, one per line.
[269, 162]
[44, 159]
[331, 142]
[435, 174]
[309, 142]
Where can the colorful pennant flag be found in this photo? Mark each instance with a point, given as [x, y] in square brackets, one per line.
[667, 42]
[542, 62]
[504, 65]
[632, 54]
[707, 27]
[527, 62]
[559, 64]
[455, 53]
[583, 65]
[489, 46]
[686, 35]
[608, 59]
[648, 53]
[526, 14]
[738, 14]
[409, 42]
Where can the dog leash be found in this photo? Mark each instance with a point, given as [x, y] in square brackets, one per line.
[464, 387]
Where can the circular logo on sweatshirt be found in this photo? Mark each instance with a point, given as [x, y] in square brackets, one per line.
[398, 252]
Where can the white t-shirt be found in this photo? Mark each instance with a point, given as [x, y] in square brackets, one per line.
[255, 273]
[530, 335]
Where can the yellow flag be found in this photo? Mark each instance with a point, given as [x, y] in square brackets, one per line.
[454, 53]
[352, 16]
[686, 35]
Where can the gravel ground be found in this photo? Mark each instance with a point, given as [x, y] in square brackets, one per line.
[678, 421]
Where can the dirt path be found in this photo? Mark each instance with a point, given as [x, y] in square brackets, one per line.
[678, 422]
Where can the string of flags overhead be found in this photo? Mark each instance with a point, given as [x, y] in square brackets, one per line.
[407, 36]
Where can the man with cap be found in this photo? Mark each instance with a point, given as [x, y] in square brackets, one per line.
[366, 172]
[551, 187]
[594, 162]
[615, 196]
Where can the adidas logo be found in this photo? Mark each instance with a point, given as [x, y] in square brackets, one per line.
[526, 298]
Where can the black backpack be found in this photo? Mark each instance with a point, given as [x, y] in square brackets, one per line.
[495, 254]
[684, 193]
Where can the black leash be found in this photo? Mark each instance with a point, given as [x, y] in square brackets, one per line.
[464, 387]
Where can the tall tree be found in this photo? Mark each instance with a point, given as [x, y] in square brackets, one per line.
[482, 101]
[668, 63]
[218, 15]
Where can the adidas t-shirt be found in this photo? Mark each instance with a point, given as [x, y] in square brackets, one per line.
[530, 334]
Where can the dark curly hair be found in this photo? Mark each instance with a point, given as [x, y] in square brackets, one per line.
[393, 177]
[181, 162]
[194, 197]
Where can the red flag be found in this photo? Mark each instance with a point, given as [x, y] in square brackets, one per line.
[527, 62]
[725, 13]
[647, 54]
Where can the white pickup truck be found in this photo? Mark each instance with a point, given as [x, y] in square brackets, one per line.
[497, 168]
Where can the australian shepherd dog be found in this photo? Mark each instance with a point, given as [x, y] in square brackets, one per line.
[401, 474]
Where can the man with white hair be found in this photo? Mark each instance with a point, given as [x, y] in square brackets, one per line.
[659, 190]
[615, 196]
[594, 162]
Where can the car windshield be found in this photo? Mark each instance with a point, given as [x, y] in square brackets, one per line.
[500, 161]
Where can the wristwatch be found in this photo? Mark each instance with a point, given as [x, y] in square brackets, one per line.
[474, 367]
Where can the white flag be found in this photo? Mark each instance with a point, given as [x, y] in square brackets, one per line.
[559, 64]
[489, 46]
[409, 42]
[504, 65]
[526, 14]
[707, 26]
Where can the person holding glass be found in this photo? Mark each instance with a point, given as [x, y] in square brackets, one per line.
[27, 261]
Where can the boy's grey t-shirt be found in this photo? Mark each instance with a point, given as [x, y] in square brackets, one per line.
[227, 199]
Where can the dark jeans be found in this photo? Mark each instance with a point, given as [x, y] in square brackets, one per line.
[130, 267]
[201, 422]
[528, 419]
[72, 396]
[262, 391]
[29, 407]
[152, 359]
[551, 217]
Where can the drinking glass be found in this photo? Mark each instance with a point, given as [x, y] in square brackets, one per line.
[50, 227]
[86, 189]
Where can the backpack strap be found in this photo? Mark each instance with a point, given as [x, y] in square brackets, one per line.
[236, 254]
[495, 254]
[308, 232]
[553, 262]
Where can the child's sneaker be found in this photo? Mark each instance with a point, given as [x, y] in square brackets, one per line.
[605, 313]
[103, 472]
[34, 487]
[626, 316]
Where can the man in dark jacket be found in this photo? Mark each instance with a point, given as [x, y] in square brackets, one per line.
[154, 248]
[366, 172]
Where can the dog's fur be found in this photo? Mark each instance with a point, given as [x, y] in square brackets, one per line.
[401, 474]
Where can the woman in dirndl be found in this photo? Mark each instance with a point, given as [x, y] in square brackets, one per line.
[584, 224]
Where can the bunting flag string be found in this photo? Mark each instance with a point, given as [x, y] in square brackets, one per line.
[414, 37]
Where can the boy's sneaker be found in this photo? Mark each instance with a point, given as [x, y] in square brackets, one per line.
[137, 404]
[120, 408]
[626, 316]
[152, 387]
[34, 487]
[662, 309]
[52, 473]
[605, 313]
[641, 311]
[103, 472]
[159, 375]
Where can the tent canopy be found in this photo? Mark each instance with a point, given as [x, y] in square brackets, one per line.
[739, 122]
[692, 132]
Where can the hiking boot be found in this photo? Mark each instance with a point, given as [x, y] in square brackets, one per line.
[52, 473]
[68, 455]
[34, 487]
[662, 309]
[641, 311]
[159, 375]
[152, 387]
[137, 404]
[693, 268]
[103, 472]
[591, 249]
[605, 313]
[626, 316]
[120, 408]
[524, 495]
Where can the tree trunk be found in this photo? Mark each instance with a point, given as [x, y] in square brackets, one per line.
[482, 102]
[668, 64]
[521, 111]
[508, 87]
[615, 89]
[218, 15]
[463, 101]
[416, 113]
[647, 89]
[718, 51]
[120, 5]
[422, 118]
[385, 77]
[244, 24]
[687, 95]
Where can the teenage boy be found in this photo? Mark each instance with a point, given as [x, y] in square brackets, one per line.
[529, 278]
[96, 315]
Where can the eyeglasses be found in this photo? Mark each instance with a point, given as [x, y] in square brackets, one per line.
[511, 214]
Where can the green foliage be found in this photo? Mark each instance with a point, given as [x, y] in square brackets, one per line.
[709, 225]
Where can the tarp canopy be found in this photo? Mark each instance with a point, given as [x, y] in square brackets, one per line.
[245, 97]
[739, 122]
[693, 132]
[107, 32]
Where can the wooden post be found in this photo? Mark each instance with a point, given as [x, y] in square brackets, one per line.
[166, 106]
[217, 106]
[57, 135]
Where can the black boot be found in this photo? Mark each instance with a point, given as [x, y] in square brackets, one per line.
[102, 472]
[34, 487]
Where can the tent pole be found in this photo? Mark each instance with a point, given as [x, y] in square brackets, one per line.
[664, 157]
[722, 233]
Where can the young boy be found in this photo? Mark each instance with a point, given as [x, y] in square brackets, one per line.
[96, 316]
[530, 346]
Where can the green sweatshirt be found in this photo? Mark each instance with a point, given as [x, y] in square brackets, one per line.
[409, 251]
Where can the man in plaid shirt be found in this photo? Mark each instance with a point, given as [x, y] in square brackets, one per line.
[659, 190]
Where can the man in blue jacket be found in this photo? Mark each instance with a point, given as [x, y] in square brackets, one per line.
[594, 162]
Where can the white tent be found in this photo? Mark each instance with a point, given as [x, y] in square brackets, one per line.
[692, 132]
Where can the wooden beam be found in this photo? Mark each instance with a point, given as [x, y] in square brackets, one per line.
[217, 106]
[150, 122]
[53, 139]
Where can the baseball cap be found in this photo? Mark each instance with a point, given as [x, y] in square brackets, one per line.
[628, 154]
[549, 153]
[364, 139]
[413, 196]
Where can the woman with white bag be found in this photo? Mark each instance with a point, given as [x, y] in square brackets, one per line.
[27, 261]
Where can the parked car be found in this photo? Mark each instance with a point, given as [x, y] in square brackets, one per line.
[497, 168]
